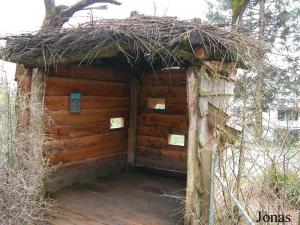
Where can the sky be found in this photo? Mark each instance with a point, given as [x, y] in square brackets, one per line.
[19, 16]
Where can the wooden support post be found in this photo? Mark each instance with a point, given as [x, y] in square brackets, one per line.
[206, 142]
[192, 207]
[198, 153]
[36, 107]
[23, 78]
[134, 100]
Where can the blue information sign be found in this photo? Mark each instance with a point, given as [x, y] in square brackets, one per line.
[75, 102]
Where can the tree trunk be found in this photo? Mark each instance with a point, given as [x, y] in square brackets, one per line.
[241, 162]
[49, 7]
[242, 145]
[238, 9]
[56, 16]
[260, 76]
[50, 12]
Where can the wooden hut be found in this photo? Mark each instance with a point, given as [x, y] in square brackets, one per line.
[144, 93]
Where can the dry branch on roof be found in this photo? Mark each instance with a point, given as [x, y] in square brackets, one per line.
[164, 39]
[56, 16]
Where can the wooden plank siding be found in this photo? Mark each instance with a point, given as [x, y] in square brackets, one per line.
[85, 138]
[154, 125]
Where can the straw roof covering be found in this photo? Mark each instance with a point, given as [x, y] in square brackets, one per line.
[164, 41]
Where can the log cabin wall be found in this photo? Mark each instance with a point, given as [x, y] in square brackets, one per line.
[82, 145]
[155, 125]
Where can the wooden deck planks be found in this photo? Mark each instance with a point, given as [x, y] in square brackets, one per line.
[121, 199]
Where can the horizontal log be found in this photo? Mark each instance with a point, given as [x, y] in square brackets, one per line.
[151, 141]
[169, 78]
[63, 86]
[159, 131]
[64, 132]
[87, 102]
[90, 162]
[89, 72]
[89, 153]
[171, 148]
[85, 170]
[164, 91]
[162, 153]
[169, 100]
[176, 109]
[161, 163]
[63, 117]
[154, 119]
[74, 144]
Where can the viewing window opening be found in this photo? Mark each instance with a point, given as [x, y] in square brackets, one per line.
[176, 139]
[157, 103]
[117, 122]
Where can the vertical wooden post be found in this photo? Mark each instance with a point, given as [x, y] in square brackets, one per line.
[133, 113]
[36, 107]
[198, 153]
[192, 207]
[23, 78]
[206, 142]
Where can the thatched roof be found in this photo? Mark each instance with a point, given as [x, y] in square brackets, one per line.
[154, 40]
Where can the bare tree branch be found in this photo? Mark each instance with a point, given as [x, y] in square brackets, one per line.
[102, 7]
[56, 16]
[68, 12]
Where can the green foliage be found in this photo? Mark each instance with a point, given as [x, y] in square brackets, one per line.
[281, 75]
[217, 16]
[220, 12]
[285, 184]
[238, 7]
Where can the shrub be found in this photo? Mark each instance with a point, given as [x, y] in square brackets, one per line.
[285, 184]
[22, 167]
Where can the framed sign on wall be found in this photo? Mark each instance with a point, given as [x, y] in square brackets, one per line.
[75, 98]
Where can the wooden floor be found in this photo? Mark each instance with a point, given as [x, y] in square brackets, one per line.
[122, 199]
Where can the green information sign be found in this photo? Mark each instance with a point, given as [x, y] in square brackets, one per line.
[75, 102]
